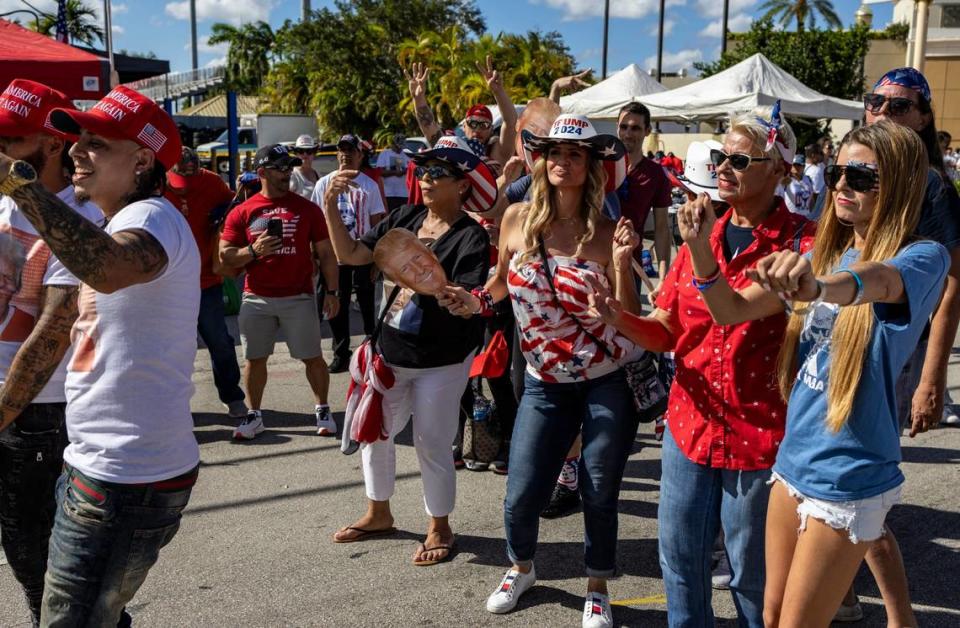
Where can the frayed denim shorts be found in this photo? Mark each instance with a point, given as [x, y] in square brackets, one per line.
[862, 518]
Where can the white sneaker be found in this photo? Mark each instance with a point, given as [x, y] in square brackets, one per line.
[250, 426]
[720, 576]
[949, 416]
[596, 611]
[237, 409]
[326, 426]
[847, 614]
[513, 585]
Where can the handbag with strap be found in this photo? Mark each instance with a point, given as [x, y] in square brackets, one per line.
[646, 388]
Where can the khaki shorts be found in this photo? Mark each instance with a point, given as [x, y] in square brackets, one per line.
[262, 317]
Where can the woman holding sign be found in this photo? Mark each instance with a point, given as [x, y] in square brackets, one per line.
[426, 350]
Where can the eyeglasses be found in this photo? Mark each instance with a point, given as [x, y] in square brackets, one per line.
[860, 177]
[739, 161]
[897, 107]
[280, 169]
[478, 124]
[435, 172]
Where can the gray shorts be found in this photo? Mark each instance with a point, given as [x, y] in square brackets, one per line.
[261, 318]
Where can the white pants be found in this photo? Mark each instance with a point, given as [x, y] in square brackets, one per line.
[432, 395]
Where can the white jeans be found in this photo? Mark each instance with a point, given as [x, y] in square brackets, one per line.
[432, 395]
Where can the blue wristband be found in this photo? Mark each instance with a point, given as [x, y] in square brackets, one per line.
[859, 281]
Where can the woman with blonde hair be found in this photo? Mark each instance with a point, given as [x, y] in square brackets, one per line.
[857, 307]
[550, 250]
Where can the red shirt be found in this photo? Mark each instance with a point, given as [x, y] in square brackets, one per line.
[288, 272]
[647, 187]
[197, 197]
[725, 406]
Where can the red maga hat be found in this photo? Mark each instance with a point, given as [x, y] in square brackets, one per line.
[480, 111]
[129, 115]
[25, 108]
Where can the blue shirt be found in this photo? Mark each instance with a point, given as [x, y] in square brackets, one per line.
[862, 459]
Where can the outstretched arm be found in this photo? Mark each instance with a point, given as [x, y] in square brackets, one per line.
[568, 84]
[417, 81]
[508, 113]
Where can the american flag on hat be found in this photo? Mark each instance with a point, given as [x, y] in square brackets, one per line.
[152, 137]
[63, 34]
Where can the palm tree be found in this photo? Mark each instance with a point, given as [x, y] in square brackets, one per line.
[803, 11]
[248, 59]
[82, 24]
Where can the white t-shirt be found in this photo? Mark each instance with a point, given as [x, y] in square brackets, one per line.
[394, 186]
[39, 268]
[301, 185]
[128, 383]
[815, 174]
[357, 205]
[797, 196]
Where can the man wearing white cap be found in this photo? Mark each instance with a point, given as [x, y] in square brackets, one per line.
[393, 164]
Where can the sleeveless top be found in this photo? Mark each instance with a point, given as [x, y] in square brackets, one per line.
[556, 350]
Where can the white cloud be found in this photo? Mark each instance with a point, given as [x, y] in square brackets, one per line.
[714, 8]
[215, 62]
[736, 24]
[117, 29]
[668, 25]
[580, 9]
[232, 11]
[204, 46]
[117, 8]
[673, 61]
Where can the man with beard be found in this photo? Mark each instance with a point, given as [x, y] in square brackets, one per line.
[132, 460]
[39, 300]
[361, 208]
[275, 236]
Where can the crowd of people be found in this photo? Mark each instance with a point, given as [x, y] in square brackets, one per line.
[804, 325]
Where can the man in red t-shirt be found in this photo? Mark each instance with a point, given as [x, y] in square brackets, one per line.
[204, 198]
[275, 236]
[646, 186]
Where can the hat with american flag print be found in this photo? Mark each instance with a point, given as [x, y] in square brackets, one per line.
[579, 131]
[128, 115]
[454, 151]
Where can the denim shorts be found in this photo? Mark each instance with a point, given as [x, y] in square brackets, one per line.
[861, 518]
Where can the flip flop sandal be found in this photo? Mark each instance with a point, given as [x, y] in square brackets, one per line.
[446, 557]
[364, 534]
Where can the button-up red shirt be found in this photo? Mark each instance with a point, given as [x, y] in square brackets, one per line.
[725, 406]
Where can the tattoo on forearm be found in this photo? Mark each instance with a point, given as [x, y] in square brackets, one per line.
[85, 249]
[425, 115]
[40, 354]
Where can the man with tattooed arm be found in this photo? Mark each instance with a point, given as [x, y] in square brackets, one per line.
[132, 459]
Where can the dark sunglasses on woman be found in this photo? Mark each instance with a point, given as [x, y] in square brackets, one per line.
[435, 172]
[860, 178]
[897, 107]
[738, 161]
[478, 124]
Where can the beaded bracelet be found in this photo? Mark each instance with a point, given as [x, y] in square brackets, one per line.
[486, 301]
[859, 282]
[704, 284]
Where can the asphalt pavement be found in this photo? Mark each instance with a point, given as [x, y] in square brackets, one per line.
[255, 545]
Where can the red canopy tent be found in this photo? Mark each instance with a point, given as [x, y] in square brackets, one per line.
[29, 55]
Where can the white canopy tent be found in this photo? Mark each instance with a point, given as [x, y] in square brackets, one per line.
[605, 99]
[753, 82]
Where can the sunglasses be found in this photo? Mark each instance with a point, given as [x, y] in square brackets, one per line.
[860, 177]
[478, 124]
[738, 161]
[280, 169]
[896, 107]
[305, 151]
[435, 172]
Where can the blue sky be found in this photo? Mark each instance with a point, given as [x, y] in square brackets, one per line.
[692, 26]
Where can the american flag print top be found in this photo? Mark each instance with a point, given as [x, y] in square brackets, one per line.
[554, 347]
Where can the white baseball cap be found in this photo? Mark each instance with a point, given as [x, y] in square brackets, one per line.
[305, 142]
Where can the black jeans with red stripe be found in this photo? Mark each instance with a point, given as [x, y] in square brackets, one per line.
[105, 539]
[31, 457]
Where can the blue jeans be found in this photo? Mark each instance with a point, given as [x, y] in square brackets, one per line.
[548, 420]
[106, 537]
[212, 327]
[31, 457]
[695, 501]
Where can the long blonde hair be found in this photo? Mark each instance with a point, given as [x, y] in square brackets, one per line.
[542, 209]
[902, 163]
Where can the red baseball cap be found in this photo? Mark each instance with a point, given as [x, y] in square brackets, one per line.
[25, 108]
[128, 115]
[480, 111]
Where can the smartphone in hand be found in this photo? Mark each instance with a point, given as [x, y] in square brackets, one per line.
[275, 227]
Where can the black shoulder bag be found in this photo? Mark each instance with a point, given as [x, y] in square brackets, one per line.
[649, 395]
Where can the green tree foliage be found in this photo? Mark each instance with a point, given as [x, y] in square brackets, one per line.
[830, 62]
[803, 12]
[346, 64]
[248, 55]
[82, 24]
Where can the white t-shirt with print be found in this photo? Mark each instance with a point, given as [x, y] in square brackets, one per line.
[394, 186]
[128, 383]
[815, 173]
[357, 205]
[39, 269]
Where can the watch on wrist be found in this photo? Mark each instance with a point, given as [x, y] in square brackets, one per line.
[20, 174]
[335, 293]
[252, 251]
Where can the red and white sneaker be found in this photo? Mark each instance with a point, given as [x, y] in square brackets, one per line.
[250, 426]
[513, 585]
[596, 611]
[326, 426]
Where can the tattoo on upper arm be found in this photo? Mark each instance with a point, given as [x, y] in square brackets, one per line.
[142, 251]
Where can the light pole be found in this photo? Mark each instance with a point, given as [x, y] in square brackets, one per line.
[606, 27]
[108, 34]
[920, 34]
[660, 41]
[193, 34]
[305, 10]
[723, 27]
